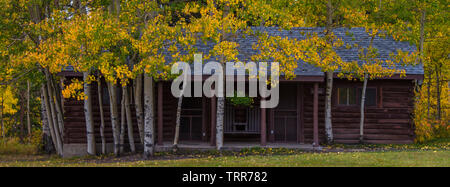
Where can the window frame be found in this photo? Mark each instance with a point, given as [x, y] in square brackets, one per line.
[348, 102]
[357, 96]
[376, 96]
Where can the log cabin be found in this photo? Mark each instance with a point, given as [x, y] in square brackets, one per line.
[297, 120]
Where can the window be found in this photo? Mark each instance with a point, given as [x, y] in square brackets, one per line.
[371, 96]
[352, 96]
[347, 96]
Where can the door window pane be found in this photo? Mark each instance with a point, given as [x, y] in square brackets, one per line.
[347, 96]
[351, 96]
[371, 96]
[342, 100]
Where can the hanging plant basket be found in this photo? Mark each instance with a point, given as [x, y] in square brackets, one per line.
[241, 101]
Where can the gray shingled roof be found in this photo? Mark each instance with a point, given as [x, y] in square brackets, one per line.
[385, 47]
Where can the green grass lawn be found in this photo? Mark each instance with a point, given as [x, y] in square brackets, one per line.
[433, 153]
[388, 158]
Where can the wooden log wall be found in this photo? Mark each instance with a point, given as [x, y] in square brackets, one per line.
[74, 121]
[389, 122]
[308, 112]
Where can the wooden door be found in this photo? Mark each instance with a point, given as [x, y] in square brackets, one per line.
[285, 127]
[285, 115]
[191, 119]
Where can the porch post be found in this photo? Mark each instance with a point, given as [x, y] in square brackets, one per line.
[316, 115]
[271, 125]
[204, 117]
[300, 131]
[213, 121]
[160, 113]
[263, 126]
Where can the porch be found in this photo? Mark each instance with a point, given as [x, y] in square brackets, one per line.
[231, 146]
[293, 124]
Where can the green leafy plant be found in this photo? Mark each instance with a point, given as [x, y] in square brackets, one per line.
[240, 101]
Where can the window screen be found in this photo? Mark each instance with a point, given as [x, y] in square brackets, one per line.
[347, 96]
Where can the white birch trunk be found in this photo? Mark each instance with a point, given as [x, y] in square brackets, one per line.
[51, 121]
[422, 34]
[55, 104]
[102, 118]
[421, 43]
[56, 124]
[429, 93]
[149, 139]
[221, 100]
[139, 107]
[328, 124]
[47, 126]
[219, 122]
[329, 84]
[127, 96]
[57, 107]
[220, 113]
[28, 107]
[438, 93]
[177, 124]
[114, 117]
[88, 116]
[47, 142]
[122, 122]
[1, 119]
[363, 100]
